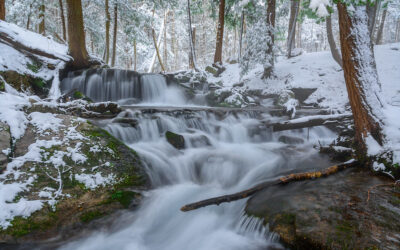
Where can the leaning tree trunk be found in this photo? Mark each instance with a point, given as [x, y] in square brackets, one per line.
[64, 29]
[108, 19]
[380, 31]
[42, 27]
[331, 40]
[270, 43]
[220, 32]
[294, 11]
[241, 36]
[361, 77]
[76, 35]
[115, 35]
[3, 10]
[371, 12]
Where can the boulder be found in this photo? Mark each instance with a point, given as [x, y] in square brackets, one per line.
[353, 209]
[290, 139]
[302, 94]
[176, 140]
[5, 145]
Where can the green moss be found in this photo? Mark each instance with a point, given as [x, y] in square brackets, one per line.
[91, 215]
[34, 66]
[21, 226]
[123, 197]
[78, 95]
[286, 218]
[2, 86]
[130, 180]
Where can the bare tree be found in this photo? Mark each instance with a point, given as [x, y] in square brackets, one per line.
[379, 35]
[331, 40]
[115, 35]
[270, 43]
[192, 54]
[294, 11]
[62, 17]
[42, 26]
[108, 20]
[220, 32]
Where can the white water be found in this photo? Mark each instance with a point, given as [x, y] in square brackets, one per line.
[221, 157]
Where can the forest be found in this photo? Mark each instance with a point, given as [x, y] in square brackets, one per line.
[199, 124]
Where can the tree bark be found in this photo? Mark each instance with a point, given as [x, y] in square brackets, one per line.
[361, 77]
[192, 55]
[115, 35]
[241, 36]
[108, 20]
[270, 44]
[191, 61]
[331, 40]
[134, 55]
[294, 11]
[220, 32]
[165, 56]
[64, 29]
[281, 181]
[157, 50]
[76, 35]
[381, 26]
[371, 11]
[42, 27]
[3, 10]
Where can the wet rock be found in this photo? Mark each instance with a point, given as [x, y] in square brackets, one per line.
[290, 139]
[333, 212]
[176, 140]
[127, 121]
[211, 70]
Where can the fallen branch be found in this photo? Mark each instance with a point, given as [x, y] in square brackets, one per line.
[283, 180]
[309, 121]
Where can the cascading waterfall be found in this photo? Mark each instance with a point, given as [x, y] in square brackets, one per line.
[223, 154]
[124, 86]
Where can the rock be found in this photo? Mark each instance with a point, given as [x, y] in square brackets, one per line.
[176, 140]
[80, 204]
[333, 212]
[240, 84]
[302, 94]
[103, 107]
[24, 82]
[284, 97]
[128, 121]
[5, 145]
[290, 139]
[211, 70]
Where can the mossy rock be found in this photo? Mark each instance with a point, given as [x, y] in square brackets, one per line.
[176, 140]
[27, 83]
[83, 204]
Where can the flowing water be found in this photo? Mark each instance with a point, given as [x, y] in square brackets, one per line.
[224, 153]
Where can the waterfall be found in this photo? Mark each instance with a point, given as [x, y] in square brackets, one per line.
[123, 86]
[225, 152]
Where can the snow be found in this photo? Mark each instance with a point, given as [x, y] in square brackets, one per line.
[10, 113]
[34, 40]
[94, 181]
[45, 121]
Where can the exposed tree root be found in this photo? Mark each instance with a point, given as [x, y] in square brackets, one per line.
[283, 180]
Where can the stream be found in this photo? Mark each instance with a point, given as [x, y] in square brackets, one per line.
[225, 152]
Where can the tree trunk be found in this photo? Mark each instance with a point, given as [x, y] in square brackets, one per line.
[157, 50]
[173, 42]
[108, 20]
[270, 44]
[331, 40]
[115, 35]
[371, 12]
[165, 39]
[361, 77]
[294, 11]
[191, 61]
[76, 35]
[192, 55]
[134, 55]
[3, 10]
[42, 27]
[28, 22]
[64, 29]
[220, 32]
[397, 37]
[241, 36]
[381, 26]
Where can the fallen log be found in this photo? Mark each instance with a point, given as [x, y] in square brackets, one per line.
[309, 121]
[7, 39]
[283, 180]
